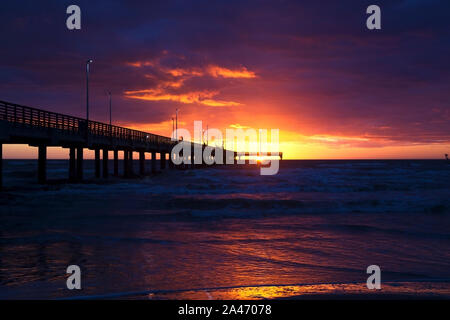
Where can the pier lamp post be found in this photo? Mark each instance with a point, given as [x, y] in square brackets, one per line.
[87, 90]
[110, 109]
[176, 125]
[173, 128]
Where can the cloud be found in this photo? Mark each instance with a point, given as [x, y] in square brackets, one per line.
[219, 103]
[168, 79]
[200, 97]
[217, 71]
[212, 70]
[138, 64]
[179, 72]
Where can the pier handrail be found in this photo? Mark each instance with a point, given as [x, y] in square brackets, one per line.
[38, 118]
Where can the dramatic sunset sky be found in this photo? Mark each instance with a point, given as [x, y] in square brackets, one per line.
[312, 69]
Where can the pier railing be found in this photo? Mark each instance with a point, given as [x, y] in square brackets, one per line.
[19, 115]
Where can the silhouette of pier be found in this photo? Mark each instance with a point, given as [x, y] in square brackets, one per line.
[42, 129]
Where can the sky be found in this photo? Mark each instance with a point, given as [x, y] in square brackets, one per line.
[312, 69]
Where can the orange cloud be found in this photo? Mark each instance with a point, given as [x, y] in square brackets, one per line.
[212, 70]
[178, 72]
[177, 78]
[138, 64]
[220, 103]
[337, 139]
[217, 71]
[173, 84]
[201, 97]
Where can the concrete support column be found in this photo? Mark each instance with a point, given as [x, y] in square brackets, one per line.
[163, 160]
[126, 167]
[116, 162]
[141, 163]
[105, 163]
[97, 163]
[80, 163]
[153, 162]
[42, 164]
[72, 165]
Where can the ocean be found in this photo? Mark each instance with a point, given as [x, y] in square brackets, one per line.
[228, 232]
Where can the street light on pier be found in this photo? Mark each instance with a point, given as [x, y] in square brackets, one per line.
[173, 128]
[110, 109]
[176, 124]
[87, 90]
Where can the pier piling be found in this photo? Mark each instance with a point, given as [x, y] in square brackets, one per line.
[141, 163]
[79, 163]
[72, 165]
[153, 161]
[163, 160]
[42, 163]
[116, 162]
[105, 163]
[1, 166]
[126, 168]
[130, 163]
[97, 163]
[170, 161]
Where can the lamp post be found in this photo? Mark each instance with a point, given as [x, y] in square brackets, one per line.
[110, 109]
[87, 90]
[176, 125]
[173, 128]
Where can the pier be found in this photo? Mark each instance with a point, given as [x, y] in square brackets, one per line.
[42, 129]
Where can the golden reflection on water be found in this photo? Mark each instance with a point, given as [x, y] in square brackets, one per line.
[329, 291]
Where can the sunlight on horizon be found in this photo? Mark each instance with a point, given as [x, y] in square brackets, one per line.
[290, 150]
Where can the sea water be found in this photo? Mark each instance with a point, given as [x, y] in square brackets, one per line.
[228, 232]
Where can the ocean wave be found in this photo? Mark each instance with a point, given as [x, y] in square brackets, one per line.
[335, 289]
